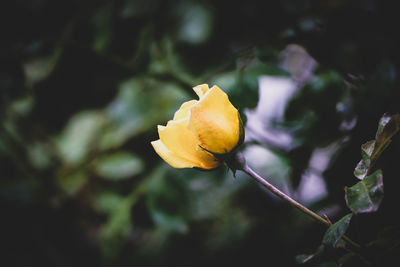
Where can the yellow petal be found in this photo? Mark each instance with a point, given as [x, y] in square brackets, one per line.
[183, 143]
[215, 122]
[183, 111]
[201, 90]
[172, 159]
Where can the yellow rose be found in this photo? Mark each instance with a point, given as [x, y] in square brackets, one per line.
[202, 131]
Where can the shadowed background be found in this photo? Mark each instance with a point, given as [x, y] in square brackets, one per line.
[83, 85]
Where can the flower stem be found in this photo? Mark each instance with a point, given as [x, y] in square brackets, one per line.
[245, 168]
[283, 196]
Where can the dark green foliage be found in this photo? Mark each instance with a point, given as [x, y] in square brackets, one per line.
[336, 231]
[84, 84]
[371, 150]
[366, 195]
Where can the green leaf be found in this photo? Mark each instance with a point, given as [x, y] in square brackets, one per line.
[72, 183]
[341, 244]
[335, 232]
[166, 200]
[196, 26]
[80, 133]
[119, 166]
[105, 202]
[371, 150]
[117, 228]
[139, 105]
[363, 166]
[304, 258]
[366, 195]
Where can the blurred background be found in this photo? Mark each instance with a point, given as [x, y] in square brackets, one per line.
[83, 85]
